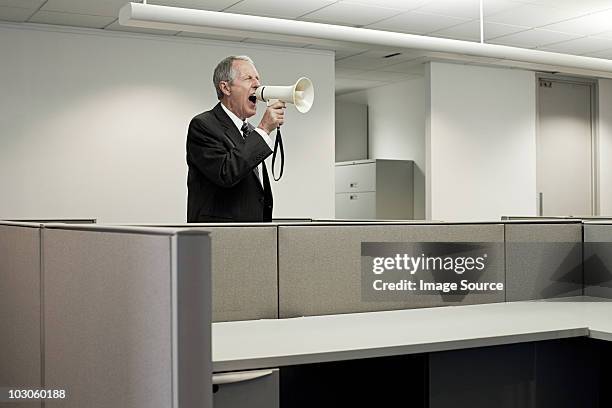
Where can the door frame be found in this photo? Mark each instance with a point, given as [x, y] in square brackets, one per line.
[594, 92]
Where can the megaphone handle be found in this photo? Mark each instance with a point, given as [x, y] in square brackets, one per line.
[271, 101]
[278, 144]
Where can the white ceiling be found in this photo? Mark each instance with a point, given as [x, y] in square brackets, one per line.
[580, 27]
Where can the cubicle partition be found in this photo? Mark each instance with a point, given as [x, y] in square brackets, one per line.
[320, 265]
[543, 259]
[121, 316]
[244, 271]
[20, 307]
[289, 269]
[114, 316]
[598, 259]
[244, 267]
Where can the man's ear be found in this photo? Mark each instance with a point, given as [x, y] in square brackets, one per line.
[225, 88]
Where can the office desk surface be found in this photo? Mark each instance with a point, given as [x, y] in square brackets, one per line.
[280, 342]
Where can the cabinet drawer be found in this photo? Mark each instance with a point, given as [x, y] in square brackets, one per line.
[356, 177]
[356, 205]
[253, 389]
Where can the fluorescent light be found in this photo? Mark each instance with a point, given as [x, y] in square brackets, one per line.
[181, 19]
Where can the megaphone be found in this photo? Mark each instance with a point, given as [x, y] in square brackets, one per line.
[301, 94]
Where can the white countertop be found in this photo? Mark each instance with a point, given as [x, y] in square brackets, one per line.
[280, 342]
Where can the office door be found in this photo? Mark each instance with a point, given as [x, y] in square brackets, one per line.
[565, 148]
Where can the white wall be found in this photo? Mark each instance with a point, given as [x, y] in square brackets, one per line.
[396, 116]
[481, 146]
[605, 147]
[93, 124]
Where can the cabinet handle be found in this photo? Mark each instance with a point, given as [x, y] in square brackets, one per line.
[231, 378]
[353, 184]
[540, 204]
[353, 196]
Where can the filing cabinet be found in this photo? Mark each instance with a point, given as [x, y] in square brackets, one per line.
[375, 189]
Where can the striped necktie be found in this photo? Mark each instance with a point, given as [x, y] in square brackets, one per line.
[245, 133]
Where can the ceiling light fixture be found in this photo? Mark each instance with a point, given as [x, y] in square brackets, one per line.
[182, 19]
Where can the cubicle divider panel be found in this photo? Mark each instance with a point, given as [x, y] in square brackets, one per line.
[543, 260]
[20, 313]
[114, 316]
[320, 267]
[598, 260]
[244, 273]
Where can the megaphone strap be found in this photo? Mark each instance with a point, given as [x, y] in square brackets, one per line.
[278, 144]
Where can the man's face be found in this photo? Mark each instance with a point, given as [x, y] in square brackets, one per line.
[239, 95]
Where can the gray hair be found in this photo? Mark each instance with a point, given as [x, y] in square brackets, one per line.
[225, 71]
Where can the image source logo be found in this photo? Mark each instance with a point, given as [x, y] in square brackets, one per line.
[397, 271]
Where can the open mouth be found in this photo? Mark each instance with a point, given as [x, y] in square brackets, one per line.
[253, 98]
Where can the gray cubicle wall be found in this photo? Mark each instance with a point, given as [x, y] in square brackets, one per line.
[244, 272]
[20, 307]
[244, 269]
[320, 265]
[127, 316]
[598, 259]
[543, 260]
[116, 316]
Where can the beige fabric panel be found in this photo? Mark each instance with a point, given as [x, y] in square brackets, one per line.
[108, 318]
[543, 261]
[20, 321]
[598, 260]
[244, 273]
[320, 266]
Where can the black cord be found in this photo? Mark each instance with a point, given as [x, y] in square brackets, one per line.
[278, 144]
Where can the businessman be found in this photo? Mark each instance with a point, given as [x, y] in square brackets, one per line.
[228, 180]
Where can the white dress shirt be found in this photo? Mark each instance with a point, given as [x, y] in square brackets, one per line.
[238, 122]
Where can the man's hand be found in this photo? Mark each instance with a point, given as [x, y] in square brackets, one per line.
[273, 117]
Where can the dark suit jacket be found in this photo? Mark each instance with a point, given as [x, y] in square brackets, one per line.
[222, 183]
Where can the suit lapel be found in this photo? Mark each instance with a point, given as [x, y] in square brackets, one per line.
[229, 128]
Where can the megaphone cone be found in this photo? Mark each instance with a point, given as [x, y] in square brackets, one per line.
[301, 94]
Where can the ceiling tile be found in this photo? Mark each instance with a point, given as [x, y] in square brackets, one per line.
[347, 72]
[346, 85]
[417, 23]
[375, 60]
[365, 61]
[471, 31]
[497, 6]
[531, 15]
[30, 4]
[17, 14]
[275, 8]
[533, 38]
[607, 34]
[387, 55]
[581, 46]
[385, 76]
[577, 7]
[403, 5]
[68, 19]
[586, 25]
[409, 67]
[463, 9]
[118, 27]
[601, 54]
[213, 5]
[217, 37]
[341, 51]
[350, 14]
[108, 8]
